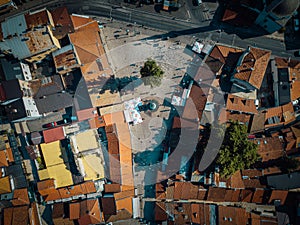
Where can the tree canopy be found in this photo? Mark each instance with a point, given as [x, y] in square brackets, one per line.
[236, 152]
[151, 73]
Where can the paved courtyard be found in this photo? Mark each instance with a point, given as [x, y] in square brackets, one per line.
[127, 52]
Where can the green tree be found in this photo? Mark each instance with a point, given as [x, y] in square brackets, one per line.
[236, 152]
[151, 73]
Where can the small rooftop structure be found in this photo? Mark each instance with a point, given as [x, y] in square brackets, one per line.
[66, 59]
[54, 134]
[131, 112]
[251, 68]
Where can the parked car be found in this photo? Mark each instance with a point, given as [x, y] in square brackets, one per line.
[49, 125]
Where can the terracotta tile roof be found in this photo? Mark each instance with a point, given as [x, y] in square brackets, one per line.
[246, 195]
[74, 211]
[79, 21]
[200, 213]
[288, 113]
[160, 212]
[121, 215]
[62, 21]
[279, 115]
[86, 114]
[61, 16]
[239, 15]
[88, 187]
[214, 64]
[9, 155]
[58, 210]
[278, 195]
[235, 103]
[242, 118]
[295, 90]
[232, 195]
[216, 194]
[258, 123]
[253, 183]
[271, 170]
[61, 219]
[258, 196]
[198, 101]
[124, 194]
[291, 143]
[284, 63]
[201, 194]
[178, 190]
[112, 188]
[20, 197]
[253, 66]
[16, 216]
[6, 156]
[68, 192]
[125, 152]
[34, 214]
[65, 59]
[5, 185]
[251, 173]
[269, 147]
[170, 192]
[3, 160]
[97, 122]
[39, 18]
[7, 216]
[125, 203]
[229, 15]
[54, 134]
[159, 190]
[90, 212]
[52, 195]
[87, 42]
[225, 54]
[190, 191]
[237, 215]
[46, 186]
[109, 206]
[235, 181]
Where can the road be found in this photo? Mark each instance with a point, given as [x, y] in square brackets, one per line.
[195, 29]
[200, 30]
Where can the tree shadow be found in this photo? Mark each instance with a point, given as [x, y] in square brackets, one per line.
[113, 85]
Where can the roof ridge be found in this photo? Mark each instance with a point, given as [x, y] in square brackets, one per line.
[82, 49]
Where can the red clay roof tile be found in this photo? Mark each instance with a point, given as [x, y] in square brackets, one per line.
[253, 66]
[74, 210]
[278, 195]
[54, 134]
[237, 215]
[20, 197]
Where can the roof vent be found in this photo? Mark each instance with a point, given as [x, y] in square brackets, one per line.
[225, 218]
[230, 219]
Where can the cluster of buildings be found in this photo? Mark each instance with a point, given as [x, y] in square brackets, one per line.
[260, 91]
[76, 147]
[77, 162]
